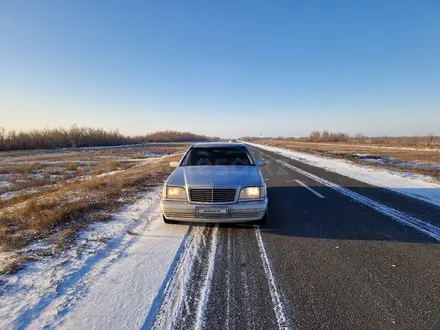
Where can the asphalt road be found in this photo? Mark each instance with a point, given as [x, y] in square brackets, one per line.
[324, 260]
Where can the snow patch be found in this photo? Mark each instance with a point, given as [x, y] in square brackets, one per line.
[7, 195]
[5, 184]
[278, 306]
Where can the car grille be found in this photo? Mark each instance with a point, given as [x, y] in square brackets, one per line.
[212, 195]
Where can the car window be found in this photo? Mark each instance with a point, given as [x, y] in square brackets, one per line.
[199, 156]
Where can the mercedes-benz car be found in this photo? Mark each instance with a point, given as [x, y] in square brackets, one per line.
[216, 183]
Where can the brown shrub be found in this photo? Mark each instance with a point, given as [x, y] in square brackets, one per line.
[66, 237]
[112, 165]
[27, 168]
[13, 178]
[107, 166]
[72, 166]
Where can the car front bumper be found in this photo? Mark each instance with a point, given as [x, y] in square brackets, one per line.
[237, 212]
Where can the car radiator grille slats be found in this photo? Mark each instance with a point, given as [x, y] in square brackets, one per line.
[212, 195]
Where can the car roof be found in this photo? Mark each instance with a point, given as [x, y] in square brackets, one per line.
[218, 144]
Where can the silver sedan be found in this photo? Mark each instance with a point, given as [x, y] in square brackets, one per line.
[216, 182]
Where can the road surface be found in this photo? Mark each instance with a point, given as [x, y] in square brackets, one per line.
[324, 260]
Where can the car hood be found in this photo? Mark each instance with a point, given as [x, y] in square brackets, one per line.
[221, 175]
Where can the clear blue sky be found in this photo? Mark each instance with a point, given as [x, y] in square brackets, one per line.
[227, 68]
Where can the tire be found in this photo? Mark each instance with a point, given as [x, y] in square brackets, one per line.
[262, 221]
[167, 221]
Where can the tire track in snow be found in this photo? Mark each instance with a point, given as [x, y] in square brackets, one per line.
[206, 287]
[228, 280]
[275, 295]
[184, 300]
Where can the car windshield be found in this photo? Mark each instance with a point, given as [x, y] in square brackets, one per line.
[199, 156]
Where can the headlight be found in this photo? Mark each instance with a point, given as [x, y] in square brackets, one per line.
[176, 193]
[251, 193]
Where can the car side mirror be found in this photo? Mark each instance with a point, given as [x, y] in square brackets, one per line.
[262, 163]
[174, 164]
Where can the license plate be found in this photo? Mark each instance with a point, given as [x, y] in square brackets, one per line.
[212, 210]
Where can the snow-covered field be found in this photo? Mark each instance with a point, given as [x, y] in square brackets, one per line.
[417, 186]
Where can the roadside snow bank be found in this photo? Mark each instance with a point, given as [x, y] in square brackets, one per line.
[413, 185]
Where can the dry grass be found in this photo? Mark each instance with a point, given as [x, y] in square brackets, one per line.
[27, 170]
[51, 196]
[16, 265]
[92, 154]
[107, 166]
[72, 166]
[22, 198]
[23, 182]
[58, 215]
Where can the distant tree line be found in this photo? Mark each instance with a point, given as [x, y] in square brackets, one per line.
[173, 136]
[429, 140]
[254, 138]
[77, 137]
[326, 136]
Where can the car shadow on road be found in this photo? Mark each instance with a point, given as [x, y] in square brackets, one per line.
[295, 211]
